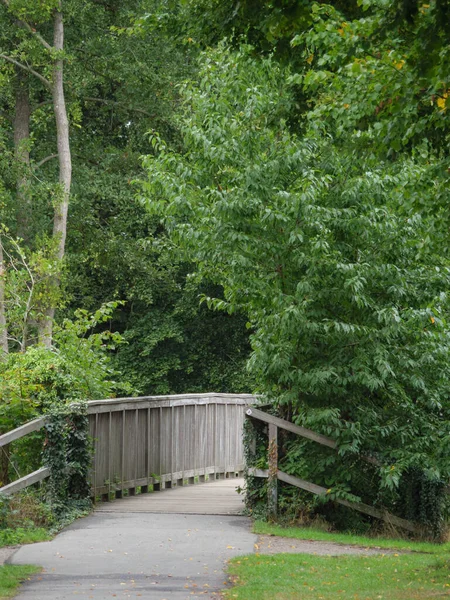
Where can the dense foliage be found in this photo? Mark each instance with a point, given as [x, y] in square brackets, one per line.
[308, 236]
[297, 196]
[120, 81]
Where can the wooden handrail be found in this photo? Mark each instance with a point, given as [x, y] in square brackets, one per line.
[303, 432]
[283, 424]
[321, 491]
[273, 474]
[21, 431]
[24, 482]
[142, 444]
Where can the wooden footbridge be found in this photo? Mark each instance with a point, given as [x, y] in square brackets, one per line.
[156, 443]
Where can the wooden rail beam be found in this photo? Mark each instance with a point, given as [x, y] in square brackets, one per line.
[25, 482]
[302, 431]
[21, 431]
[321, 491]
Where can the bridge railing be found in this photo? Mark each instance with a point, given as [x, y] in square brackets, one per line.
[159, 441]
[165, 441]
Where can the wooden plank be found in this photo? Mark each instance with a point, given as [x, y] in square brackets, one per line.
[215, 440]
[258, 472]
[164, 477]
[359, 506]
[218, 497]
[114, 404]
[94, 458]
[147, 456]
[21, 431]
[302, 431]
[197, 450]
[25, 482]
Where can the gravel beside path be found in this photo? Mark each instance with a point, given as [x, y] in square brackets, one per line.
[6, 553]
[268, 544]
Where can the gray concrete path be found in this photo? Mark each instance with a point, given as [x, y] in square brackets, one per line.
[140, 553]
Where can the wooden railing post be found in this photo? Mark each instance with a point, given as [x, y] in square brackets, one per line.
[272, 483]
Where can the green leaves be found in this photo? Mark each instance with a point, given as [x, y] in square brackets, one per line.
[306, 238]
[67, 452]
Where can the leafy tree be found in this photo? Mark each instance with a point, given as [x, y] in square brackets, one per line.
[32, 55]
[348, 308]
[113, 250]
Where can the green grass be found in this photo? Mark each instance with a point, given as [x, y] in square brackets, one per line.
[309, 533]
[11, 577]
[301, 576]
[12, 537]
[423, 572]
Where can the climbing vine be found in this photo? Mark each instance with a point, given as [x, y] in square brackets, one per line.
[424, 500]
[67, 452]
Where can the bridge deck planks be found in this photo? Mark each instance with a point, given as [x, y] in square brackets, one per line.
[211, 498]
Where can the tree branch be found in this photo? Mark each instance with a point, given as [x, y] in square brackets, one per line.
[101, 101]
[13, 61]
[122, 104]
[28, 27]
[44, 160]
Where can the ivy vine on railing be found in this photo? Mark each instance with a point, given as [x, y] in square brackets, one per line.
[67, 452]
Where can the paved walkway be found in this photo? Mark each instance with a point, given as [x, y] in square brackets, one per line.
[127, 549]
[170, 545]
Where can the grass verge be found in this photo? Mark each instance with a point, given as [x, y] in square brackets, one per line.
[13, 537]
[422, 573]
[301, 576]
[12, 576]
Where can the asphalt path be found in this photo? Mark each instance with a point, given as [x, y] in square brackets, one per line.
[136, 555]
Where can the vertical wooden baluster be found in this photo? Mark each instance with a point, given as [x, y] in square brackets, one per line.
[148, 446]
[215, 441]
[109, 455]
[95, 455]
[184, 441]
[195, 454]
[171, 445]
[119, 493]
[205, 453]
[159, 485]
[226, 432]
[136, 456]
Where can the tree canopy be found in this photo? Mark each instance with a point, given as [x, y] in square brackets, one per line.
[249, 196]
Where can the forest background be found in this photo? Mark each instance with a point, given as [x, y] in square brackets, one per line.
[282, 162]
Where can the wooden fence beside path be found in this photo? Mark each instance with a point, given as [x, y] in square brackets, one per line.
[273, 474]
[161, 441]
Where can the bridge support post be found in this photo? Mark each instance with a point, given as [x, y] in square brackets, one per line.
[272, 483]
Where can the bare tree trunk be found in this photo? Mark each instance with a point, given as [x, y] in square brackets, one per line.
[4, 465]
[3, 323]
[65, 165]
[22, 153]
[4, 456]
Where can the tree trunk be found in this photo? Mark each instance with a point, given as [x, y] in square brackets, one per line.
[4, 456]
[22, 154]
[65, 167]
[3, 324]
[4, 465]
